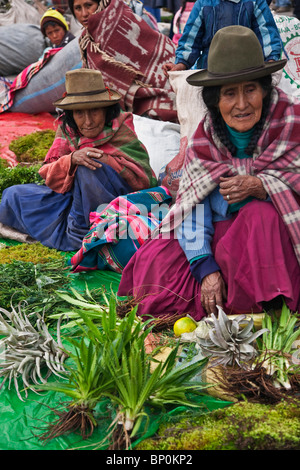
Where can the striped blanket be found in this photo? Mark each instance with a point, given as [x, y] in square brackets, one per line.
[276, 162]
[22, 80]
[120, 229]
[130, 55]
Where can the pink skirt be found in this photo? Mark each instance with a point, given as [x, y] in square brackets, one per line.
[255, 255]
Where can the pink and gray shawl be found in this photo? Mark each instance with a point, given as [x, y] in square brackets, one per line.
[276, 161]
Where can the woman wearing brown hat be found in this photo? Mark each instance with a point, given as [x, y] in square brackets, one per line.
[237, 211]
[95, 157]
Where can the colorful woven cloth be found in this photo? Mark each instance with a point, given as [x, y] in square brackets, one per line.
[22, 80]
[276, 162]
[130, 55]
[122, 149]
[120, 229]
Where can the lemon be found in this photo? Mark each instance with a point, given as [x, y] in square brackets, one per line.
[184, 325]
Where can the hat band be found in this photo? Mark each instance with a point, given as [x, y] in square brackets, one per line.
[232, 74]
[83, 93]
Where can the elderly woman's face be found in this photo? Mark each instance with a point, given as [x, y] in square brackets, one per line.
[83, 9]
[241, 105]
[90, 122]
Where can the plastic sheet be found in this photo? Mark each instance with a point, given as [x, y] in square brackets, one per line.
[23, 422]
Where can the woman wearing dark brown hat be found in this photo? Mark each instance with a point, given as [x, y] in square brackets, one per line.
[95, 157]
[238, 242]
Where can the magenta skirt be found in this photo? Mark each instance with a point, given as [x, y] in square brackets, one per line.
[255, 255]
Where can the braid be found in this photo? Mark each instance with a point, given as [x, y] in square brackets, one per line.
[266, 84]
[211, 98]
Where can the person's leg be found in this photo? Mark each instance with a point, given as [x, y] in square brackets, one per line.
[257, 260]
[91, 189]
[37, 211]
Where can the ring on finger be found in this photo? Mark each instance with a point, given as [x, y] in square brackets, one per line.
[227, 197]
[87, 154]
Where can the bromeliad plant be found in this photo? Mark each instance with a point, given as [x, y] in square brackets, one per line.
[111, 361]
[88, 378]
[230, 341]
[276, 346]
[26, 350]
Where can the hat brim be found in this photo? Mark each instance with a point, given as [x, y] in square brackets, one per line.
[205, 78]
[89, 102]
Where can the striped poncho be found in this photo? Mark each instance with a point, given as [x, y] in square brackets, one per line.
[122, 149]
[276, 161]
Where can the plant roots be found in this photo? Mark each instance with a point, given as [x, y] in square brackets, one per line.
[255, 385]
[75, 418]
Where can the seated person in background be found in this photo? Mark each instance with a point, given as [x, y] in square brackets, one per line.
[232, 238]
[55, 28]
[208, 16]
[95, 157]
[180, 19]
[83, 9]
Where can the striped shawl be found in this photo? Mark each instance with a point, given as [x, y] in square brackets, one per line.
[124, 152]
[276, 162]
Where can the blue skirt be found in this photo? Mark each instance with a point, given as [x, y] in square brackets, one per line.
[57, 220]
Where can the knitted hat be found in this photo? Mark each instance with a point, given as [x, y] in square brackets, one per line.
[53, 15]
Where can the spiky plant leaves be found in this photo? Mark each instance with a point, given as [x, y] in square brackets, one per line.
[231, 341]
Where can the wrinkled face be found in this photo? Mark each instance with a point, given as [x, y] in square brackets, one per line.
[83, 9]
[241, 105]
[55, 34]
[90, 122]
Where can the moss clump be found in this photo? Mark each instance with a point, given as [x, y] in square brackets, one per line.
[32, 147]
[18, 175]
[33, 253]
[242, 426]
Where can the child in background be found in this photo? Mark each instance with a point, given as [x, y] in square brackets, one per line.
[55, 28]
[208, 16]
[180, 19]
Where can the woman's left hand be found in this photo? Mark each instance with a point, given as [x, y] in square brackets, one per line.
[237, 188]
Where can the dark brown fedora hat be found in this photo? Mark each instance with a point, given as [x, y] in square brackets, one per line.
[85, 89]
[235, 55]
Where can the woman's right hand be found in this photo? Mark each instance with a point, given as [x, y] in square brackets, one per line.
[213, 292]
[170, 67]
[86, 157]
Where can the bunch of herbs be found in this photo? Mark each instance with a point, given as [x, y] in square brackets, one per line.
[110, 360]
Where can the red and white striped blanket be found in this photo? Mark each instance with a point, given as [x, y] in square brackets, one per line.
[130, 55]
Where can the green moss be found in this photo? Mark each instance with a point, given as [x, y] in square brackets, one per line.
[242, 426]
[33, 253]
[32, 147]
[18, 175]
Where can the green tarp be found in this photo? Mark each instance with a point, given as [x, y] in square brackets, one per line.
[22, 422]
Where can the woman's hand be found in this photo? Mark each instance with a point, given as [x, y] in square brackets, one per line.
[237, 188]
[86, 157]
[213, 292]
[170, 67]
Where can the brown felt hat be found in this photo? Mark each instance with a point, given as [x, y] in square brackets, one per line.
[235, 55]
[85, 89]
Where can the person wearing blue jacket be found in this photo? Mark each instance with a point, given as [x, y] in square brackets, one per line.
[208, 16]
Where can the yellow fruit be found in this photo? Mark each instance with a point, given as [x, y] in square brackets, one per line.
[184, 325]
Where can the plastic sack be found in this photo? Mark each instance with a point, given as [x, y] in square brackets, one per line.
[20, 46]
[48, 85]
